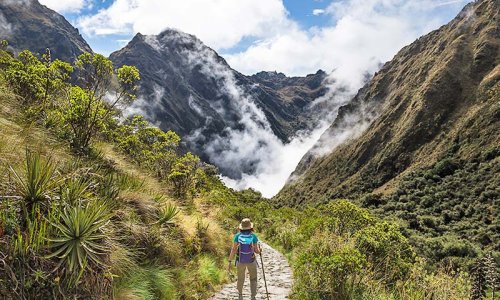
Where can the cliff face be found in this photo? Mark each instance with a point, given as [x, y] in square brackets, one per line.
[187, 87]
[437, 96]
[26, 24]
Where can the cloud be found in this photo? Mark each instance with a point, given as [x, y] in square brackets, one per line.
[63, 6]
[219, 23]
[318, 11]
[6, 29]
[247, 150]
[365, 33]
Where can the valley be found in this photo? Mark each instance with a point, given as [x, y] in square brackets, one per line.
[126, 176]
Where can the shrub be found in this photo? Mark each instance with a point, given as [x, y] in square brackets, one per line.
[328, 268]
[182, 174]
[346, 217]
[445, 167]
[387, 250]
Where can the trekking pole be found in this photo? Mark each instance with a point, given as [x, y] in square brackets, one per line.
[263, 272]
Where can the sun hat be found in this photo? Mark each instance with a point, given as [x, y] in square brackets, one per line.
[246, 224]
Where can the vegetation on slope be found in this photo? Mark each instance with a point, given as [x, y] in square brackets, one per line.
[92, 207]
[115, 211]
[430, 157]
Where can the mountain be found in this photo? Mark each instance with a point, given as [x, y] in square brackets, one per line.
[26, 24]
[187, 87]
[424, 140]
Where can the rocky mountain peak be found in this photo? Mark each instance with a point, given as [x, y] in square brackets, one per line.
[26, 24]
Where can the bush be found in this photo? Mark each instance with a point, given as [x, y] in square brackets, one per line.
[388, 251]
[328, 268]
[346, 217]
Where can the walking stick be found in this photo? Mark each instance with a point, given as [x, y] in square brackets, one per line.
[263, 272]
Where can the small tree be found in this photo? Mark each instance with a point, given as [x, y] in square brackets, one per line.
[183, 173]
[478, 280]
[88, 107]
[148, 145]
[55, 75]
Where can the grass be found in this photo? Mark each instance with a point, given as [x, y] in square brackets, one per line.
[146, 283]
[209, 273]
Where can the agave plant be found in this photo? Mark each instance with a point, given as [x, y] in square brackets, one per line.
[75, 189]
[79, 236]
[38, 180]
[167, 214]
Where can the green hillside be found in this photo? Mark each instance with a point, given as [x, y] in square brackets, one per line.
[121, 214]
[94, 205]
[430, 157]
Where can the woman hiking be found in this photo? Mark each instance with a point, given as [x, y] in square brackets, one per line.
[245, 246]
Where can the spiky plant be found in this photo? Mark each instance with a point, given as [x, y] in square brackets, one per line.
[491, 274]
[75, 189]
[478, 291]
[167, 214]
[38, 180]
[79, 238]
[109, 189]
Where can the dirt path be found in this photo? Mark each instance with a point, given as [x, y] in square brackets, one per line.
[278, 276]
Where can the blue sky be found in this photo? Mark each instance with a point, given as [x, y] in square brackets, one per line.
[294, 36]
[299, 10]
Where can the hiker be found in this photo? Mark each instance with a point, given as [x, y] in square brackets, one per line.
[245, 246]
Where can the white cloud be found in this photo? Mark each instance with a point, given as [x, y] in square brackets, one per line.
[62, 6]
[318, 11]
[219, 23]
[6, 28]
[365, 33]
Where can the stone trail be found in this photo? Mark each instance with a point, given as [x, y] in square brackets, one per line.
[278, 276]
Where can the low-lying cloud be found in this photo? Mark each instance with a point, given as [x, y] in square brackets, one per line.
[248, 149]
[363, 35]
[6, 29]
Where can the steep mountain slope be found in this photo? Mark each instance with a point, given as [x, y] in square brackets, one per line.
[26, 24]
[187, 87]
[438, 98]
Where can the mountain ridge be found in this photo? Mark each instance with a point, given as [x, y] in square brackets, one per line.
[371, 101]
[177, 66]
[27, 24]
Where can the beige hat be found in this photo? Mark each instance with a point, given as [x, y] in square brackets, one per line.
[246, 224]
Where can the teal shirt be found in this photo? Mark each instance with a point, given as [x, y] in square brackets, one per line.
[255, 238]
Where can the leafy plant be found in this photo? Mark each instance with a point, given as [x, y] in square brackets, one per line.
[167, 214]
[38, 180]
[79, 236]
[329, 268]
